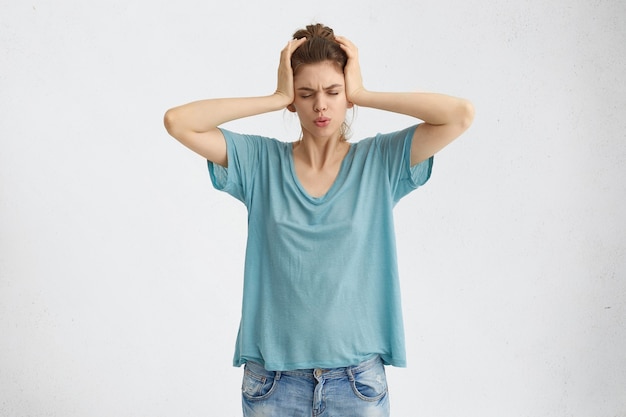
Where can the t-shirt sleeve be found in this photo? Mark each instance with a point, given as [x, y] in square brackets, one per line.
[243, 158]
[396, 151]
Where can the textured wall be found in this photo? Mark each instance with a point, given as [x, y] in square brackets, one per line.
[120, 266]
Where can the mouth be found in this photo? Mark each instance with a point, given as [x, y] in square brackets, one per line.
[322, 121]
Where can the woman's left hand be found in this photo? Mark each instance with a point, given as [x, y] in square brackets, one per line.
[352, 71]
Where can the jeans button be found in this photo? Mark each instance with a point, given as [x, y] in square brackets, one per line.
[317, 373]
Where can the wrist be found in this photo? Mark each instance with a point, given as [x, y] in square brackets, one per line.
[360, 97]
[280, 100]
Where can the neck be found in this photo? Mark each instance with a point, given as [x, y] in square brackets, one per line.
[319, 152]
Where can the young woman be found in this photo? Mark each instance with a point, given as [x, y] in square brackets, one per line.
[321, 311]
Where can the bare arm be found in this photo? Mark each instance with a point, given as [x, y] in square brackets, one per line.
[445, 117]
[195, 124]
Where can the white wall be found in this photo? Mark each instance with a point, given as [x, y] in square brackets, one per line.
[120, 266]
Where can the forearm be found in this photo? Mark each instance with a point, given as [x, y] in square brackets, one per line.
[204, 115]
[432, 108]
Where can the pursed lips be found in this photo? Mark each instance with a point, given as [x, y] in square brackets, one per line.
[321, 121]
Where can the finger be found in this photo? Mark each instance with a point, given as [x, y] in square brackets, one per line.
[343, 40]
[289, 49]
[291, 46]
[347, 46]
[295, 43]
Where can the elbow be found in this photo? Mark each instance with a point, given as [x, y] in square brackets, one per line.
[466, 114]
[169, 121]
[175, 123]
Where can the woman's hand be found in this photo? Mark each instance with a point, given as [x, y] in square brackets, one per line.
[285, 88]
[352, 71]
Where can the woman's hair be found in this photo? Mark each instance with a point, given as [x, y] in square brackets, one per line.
[320, 46]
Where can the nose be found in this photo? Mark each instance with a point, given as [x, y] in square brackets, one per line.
[319, 106]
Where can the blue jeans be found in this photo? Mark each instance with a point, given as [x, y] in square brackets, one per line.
[355, 391]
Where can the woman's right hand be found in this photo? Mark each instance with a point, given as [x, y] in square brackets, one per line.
[195, 124]
[285, 88]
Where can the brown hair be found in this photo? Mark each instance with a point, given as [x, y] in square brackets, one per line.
[319, 47]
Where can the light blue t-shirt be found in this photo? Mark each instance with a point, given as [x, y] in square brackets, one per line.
[321, 286]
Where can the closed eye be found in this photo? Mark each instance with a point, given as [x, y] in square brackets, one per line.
[306, 92]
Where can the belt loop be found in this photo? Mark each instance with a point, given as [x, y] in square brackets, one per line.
[350, 374]
[277, 375]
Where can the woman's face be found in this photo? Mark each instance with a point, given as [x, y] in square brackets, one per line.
[320, 99]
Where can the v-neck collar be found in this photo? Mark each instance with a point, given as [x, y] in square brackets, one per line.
[336, 183]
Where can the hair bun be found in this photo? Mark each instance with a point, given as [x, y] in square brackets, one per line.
[320, 46]
[317, 30]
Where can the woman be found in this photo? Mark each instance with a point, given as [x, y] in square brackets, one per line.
[321, 309]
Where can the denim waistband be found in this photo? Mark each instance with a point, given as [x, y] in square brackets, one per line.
[317, 372]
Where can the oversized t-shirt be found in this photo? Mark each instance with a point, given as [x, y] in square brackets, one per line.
[321, 287]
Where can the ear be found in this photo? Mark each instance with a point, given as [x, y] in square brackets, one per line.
[291, 108]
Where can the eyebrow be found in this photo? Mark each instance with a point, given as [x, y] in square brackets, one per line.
[331, 87]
